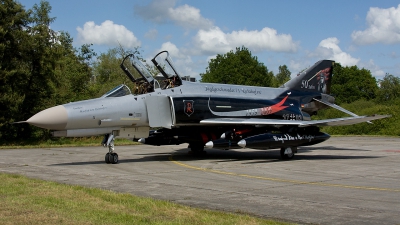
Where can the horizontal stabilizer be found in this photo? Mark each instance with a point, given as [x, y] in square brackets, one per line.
[300, 123]
[336, 107]
[343, 121]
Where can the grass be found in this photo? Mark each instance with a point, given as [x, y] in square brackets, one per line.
[30, 201]
[61, 142]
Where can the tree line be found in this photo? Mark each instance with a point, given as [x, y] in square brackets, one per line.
[349, 84]
[240, 67]
[354, 88]
[40, 68]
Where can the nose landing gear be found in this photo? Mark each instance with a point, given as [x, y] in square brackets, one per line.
[111, 156]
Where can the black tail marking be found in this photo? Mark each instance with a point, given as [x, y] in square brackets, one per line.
[315, 79]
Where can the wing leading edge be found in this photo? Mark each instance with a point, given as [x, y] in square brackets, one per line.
[299, 123]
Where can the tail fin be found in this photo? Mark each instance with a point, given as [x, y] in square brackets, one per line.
[315, 79]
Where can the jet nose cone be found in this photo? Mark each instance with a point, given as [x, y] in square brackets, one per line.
[54, 118]
[209, 144]
[242, 143]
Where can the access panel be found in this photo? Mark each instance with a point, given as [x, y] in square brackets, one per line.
[159, 111]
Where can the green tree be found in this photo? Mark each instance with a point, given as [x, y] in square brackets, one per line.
[39, 68]
[238, 67]
[14, 20]
[107, 72]
[87, 54]
[282, 76]
[72, 70]
[389, 88]
[351, 83]
[39, 81]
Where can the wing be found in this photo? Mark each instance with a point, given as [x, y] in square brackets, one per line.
[300, 123]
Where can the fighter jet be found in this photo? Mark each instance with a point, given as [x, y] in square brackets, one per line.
[173, 111]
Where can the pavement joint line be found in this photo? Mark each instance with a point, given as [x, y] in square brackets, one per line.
[281, 180]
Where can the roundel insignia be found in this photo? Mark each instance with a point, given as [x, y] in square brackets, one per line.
[188, 107]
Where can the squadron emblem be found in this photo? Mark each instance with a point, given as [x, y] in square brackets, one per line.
[188, 107]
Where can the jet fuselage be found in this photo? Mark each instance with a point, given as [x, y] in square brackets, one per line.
[190, 103]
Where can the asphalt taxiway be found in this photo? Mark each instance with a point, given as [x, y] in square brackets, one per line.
[345, 180]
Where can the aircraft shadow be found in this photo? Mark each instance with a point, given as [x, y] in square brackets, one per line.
[251, 157]
[160, 157]
[78, 163]
[334, 148]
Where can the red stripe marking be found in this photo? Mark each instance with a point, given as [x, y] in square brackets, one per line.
[396, 151]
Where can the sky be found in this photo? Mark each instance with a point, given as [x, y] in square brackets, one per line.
[294, 33]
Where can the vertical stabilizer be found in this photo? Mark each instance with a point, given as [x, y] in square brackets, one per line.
[315, 79]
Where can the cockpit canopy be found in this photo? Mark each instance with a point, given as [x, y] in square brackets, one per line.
[142, 77]
[165, 65]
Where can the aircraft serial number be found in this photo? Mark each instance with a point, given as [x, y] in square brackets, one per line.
[292, 116]
[256, 112]
[251, 112]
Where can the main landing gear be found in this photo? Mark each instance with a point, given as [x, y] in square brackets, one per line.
[196, 148]
[111, 156]
[288, 152]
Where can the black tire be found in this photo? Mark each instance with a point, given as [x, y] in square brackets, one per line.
[107, 158]
[287, 156]
[197, 147]
[114, 158]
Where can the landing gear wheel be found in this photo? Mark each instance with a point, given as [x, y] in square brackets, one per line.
[111, 158]
[288, 153]
[107, 158]
[196, 149]
[114, 158]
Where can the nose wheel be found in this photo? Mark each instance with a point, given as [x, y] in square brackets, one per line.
[111, 156]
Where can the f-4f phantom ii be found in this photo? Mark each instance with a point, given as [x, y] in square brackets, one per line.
[204, 115]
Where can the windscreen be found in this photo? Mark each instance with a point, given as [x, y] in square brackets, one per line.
[118, 91]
